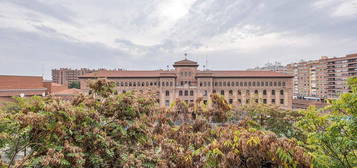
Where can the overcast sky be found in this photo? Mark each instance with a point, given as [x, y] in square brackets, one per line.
[39, 35]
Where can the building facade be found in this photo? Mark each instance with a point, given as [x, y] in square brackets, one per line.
[22, 86]
[323, 78]
[275, 67]
[65, 76]
[187, 83]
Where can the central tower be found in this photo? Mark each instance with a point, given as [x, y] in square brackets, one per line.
[186, 71]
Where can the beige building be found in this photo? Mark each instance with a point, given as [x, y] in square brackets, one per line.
[188, 83]
[323, 78]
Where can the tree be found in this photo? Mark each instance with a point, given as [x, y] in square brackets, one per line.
[332, 131]
[75, 84]
[106, 129]
[272, 118]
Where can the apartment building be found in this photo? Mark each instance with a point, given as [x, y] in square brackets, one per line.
[275, 67]
[323, 78]
[65, 76]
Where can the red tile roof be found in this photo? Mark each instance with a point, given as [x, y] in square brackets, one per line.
[249, 74]
[72, 91]
[185, 62]
[8, 82]
[124, 74]
[161, 73]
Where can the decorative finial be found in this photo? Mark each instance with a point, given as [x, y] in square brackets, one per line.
[185, 56]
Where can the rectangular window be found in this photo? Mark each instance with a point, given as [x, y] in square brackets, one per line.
[272, 101]
[281, 101]
[230, 101]
[167, 103]
[281, 92]
[222, 92]
[239, 101]
[265, 101]
[186, 92]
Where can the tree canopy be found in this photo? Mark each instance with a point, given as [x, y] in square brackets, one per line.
[106, 129]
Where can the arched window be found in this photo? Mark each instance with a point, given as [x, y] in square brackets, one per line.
[255, 91]
[264, 92]
[180, 93]
[186, 92]
[230, 92]
[191, 92]
[272, 92]
[167, 93]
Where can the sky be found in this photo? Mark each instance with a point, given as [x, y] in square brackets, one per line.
[39, 35]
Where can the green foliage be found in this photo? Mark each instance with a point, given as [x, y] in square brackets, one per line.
[104, 129]
[332, 131]
[268, 117]
[75, 84]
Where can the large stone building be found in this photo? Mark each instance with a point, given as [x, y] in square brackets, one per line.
[188, 83]
[323, 78]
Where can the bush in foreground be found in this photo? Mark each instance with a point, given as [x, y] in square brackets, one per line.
[104, 129]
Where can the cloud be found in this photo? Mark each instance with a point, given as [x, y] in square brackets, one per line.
[234, 34]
